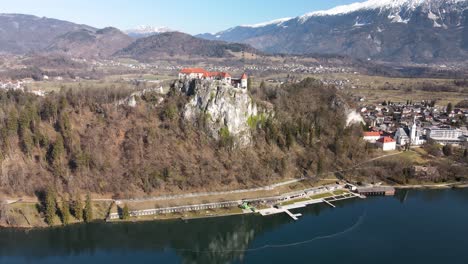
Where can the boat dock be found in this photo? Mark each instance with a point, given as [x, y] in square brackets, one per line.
[376, 191]
[301, 204]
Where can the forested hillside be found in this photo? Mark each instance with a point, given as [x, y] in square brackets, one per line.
[84, 140]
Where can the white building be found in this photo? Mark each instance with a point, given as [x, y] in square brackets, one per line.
[445, 135]
[371, 137]
[199, 73]
[402, 137]
[386, 143]
[192, 73]
[415, 137]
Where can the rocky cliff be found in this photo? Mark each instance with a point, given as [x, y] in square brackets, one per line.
[227, 111]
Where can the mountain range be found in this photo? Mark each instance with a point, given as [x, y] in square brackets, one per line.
[397, 31]
[390, 30]
[23, 34]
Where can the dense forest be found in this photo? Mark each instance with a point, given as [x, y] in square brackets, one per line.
[87, 140]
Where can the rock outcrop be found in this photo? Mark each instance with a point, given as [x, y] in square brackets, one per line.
[227, 110]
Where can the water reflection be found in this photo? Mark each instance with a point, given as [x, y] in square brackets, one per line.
[212, 240]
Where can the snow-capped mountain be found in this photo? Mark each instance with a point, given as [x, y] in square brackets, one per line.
[146, 31]
[392, 30]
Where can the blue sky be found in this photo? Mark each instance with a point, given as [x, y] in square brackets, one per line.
[191, 16]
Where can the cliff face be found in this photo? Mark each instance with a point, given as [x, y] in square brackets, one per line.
[227, 110]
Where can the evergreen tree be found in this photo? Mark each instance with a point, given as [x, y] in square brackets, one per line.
[12, 122]
[449, 108]
[88, 211]
[27, 141]
[125, 212]
[55, 157]
[78, 209]
[65, 212]
[57, 150]
[447, 150]
[50, 206]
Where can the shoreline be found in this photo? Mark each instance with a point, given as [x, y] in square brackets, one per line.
[220, 214]
[431, 186]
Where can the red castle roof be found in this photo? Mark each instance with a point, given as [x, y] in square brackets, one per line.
[205, 73]
[244, 77]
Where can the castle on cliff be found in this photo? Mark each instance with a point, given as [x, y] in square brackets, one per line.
[202, 74]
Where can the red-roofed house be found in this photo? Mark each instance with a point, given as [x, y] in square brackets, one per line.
[192, 73]
[199, 73]
[386, 143]
[372, 136]
[222, 76]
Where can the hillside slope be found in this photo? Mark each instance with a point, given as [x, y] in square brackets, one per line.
[173, 44]
[91, 44]
[21, 34]
[86, 140]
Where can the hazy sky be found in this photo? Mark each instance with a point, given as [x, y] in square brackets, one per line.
[191, 16]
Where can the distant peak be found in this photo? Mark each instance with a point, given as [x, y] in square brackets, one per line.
[276, 22]
[145, 29]
[375, 4]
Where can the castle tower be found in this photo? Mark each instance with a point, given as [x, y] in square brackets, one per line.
[244, 81]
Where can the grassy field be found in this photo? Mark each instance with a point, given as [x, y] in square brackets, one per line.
[340, 192]
[295, 201]
[321, 196]
[417, 156]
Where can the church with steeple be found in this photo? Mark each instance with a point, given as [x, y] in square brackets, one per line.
[410, 135]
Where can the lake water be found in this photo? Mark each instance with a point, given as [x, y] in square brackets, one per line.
[412, 227]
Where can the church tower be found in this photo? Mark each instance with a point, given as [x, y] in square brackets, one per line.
[414, 133]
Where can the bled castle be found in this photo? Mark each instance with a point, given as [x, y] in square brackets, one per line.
[199, 73]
